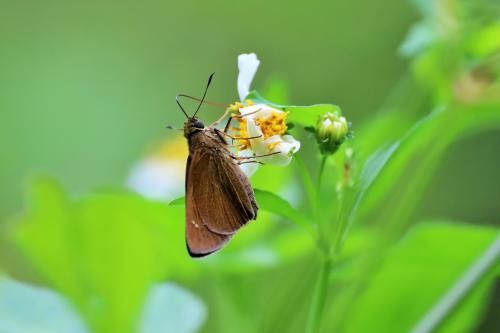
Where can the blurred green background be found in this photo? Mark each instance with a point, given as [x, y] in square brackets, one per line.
[87, 87]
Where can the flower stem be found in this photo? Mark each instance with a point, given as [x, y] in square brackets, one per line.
[321, 289]
[308, 185]
[320, 174]
[319, 298]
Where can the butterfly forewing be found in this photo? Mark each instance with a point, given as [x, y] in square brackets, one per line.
[219, 198]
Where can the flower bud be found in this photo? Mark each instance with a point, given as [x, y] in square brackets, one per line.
[331, 130]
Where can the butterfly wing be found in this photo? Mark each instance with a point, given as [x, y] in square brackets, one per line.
[219, 200]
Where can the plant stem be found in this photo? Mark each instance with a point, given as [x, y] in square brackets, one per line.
[319, 298]
[321, 289]
[320, 174]
[309, 186]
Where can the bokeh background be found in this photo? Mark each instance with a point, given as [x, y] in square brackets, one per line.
[87, 87]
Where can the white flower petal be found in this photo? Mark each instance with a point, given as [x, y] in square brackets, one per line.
[286, 146]
[248, 168]
[327, 122]
[251, 110]
[247, 65]
[259, 111]
[253, 130]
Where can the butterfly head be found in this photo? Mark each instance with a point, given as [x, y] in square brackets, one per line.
[192, 125]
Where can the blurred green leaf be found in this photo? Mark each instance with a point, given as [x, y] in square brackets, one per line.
[178, 202]
[486, 41]
[415, 274]
[413, 161]
[369, 173]
[30, 309]
[272, 203]
[302, 115]
[103, 252]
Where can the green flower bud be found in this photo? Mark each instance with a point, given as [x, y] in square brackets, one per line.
[331, 130]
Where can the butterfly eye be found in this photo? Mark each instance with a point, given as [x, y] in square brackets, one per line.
[198, 124]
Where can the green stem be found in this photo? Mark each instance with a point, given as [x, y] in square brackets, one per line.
[323, 238]
[309, 186]
[319, 298]
[320, 174]
[321, 289]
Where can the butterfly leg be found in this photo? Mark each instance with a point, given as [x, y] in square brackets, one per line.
[239, 158]
[245, 162]
[228, 111]
[233, 138]
[218, 121]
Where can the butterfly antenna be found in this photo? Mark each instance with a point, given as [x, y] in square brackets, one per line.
[204, 94]
[179, 103]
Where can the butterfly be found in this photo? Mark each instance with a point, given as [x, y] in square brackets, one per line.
[219, 197]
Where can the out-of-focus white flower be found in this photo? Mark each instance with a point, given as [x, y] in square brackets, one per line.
[160, 176]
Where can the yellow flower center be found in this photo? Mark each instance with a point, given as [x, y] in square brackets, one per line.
[273, 124]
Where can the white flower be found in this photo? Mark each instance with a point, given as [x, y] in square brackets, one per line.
[247, 65]
[265, 124]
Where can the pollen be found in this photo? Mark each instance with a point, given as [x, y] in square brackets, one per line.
[275, 124]
[242, 132]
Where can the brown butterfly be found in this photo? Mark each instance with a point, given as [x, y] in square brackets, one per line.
[219, 197]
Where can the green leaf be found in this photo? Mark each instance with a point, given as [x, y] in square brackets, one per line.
[178, 202]
[102, 252]
[302, 115]
[272, 203]
[417, 155]
[415, 274]
[474, 278]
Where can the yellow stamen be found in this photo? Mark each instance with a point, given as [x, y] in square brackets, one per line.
[273, 125]
[242, 133]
